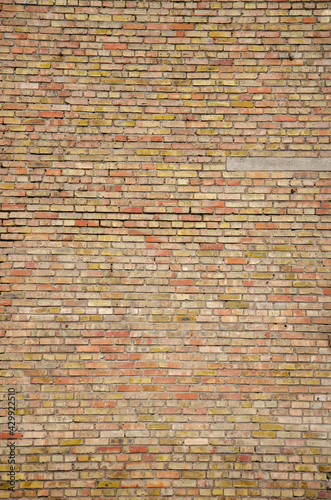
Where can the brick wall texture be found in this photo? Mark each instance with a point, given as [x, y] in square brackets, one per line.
[165, 320]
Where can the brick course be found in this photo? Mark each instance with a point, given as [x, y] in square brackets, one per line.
[165, 319]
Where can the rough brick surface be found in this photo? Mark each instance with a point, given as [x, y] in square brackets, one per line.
[164, 320]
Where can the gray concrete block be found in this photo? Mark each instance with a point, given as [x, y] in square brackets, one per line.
[268, 164]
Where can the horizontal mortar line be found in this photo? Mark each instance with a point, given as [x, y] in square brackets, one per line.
[272, 164]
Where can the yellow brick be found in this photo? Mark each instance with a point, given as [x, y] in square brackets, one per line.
[236, 305]
[147, 152]
[70, 442]
[5, 486]
[284, 248]
[242, 104]
[229, 296]
[304, 284]
[159, 427]
[163, 117]
[272, 427]
[184, 319]
[108, 484]
[162, 349]
[31, 484]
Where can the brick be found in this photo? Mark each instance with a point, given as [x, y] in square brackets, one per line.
[279, 164]
[165, 269]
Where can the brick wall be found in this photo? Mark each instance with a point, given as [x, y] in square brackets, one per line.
[165, 319]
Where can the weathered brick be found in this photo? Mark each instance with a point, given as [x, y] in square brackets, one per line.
[165, 270]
